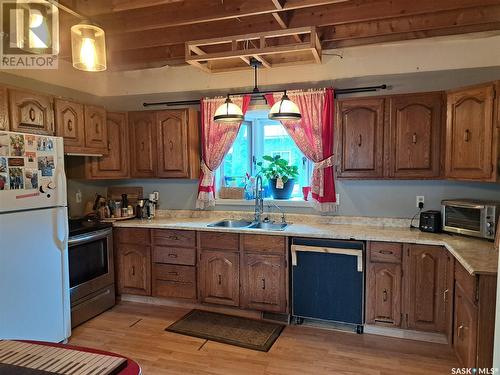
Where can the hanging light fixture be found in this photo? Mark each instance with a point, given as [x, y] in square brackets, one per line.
[284, 109]
[88, 47]
[228, 112]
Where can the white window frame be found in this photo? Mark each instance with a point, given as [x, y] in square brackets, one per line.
[255, 148]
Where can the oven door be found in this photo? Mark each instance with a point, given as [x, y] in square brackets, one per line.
[90, 263]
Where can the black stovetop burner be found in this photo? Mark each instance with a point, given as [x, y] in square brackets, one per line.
[85, 225]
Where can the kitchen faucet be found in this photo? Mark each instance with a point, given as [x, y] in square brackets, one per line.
[259, 199]
[283, 218]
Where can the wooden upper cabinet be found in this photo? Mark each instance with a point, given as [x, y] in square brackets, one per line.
[415, 135]
[428, 288]
[177, 144]
[96, 136]
[143, 153]
[470, 135]
[116, 163]
[70, 124]
[4, 109]
[220, 277]
[360, 138]
[31, 112]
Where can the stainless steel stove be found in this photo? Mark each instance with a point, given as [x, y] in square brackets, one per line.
[91, 269]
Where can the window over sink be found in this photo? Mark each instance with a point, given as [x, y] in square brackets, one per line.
[259, 136]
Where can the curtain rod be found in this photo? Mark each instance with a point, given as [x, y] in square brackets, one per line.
[254, 93]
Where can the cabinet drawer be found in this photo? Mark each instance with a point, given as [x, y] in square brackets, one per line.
[178, 238]
[174, 255]
[263, 243]
[174, 281]
[466, 281]
[220, 241]
[137, 236]
[385, 252]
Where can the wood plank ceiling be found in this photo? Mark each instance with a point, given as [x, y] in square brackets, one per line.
[151, 33]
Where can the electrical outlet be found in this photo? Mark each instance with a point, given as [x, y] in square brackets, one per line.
[337, 199]
[78, 197]
[420, 199]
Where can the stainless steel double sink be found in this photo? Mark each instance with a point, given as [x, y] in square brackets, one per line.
[248, 225]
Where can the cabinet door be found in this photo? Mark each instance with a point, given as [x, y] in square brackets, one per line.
[96, 136]
[428, 287]
[263, 283]
[469, 134]
[31, 112]
[383, 294]
[116, 163]
[220, 278]
[465, 328]
[142, 145]
[172, 143]
[4, 109]
[134, 269]
[70, 124]
[360, 133]
[415, 135]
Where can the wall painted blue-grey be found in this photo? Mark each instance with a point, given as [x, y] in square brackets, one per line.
[357, 198]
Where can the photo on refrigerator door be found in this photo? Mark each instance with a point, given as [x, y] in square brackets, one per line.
[4, 144]
[30, 141]
[4, 181]
[46, 165]
[17, 145]
[30, 179]
[3, 165]
[30, 159]
[45, 144]
[16, 178]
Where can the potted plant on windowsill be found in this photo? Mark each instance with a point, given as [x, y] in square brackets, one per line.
[280, 175]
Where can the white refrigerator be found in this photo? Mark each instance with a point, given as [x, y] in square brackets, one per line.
[34, 277]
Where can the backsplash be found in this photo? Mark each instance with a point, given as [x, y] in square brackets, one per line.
[374, 198]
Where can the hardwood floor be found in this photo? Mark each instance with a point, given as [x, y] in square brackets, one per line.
[137, 330]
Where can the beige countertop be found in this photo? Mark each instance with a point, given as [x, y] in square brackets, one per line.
[476, 255]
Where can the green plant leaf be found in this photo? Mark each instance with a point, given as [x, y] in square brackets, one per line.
[268, 158]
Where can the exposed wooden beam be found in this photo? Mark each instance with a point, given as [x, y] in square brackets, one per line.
[425, 22]
[191, 12]
[407, 23]
[281, 18]
[411, 35]
[279, 4]
[98, 7]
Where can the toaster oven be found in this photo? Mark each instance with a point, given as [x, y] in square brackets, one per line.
[470, 217]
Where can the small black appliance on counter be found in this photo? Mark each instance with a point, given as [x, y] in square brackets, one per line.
[430, 221]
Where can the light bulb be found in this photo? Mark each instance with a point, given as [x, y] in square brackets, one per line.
[88, 53]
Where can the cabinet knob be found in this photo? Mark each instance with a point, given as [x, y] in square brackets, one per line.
[70, 125]
[31, 114]
[97, 128]
[220, 279]
[360, 140]
[133, 270]
[459, 330]
[467, 135]
[386, 252]
[445, 295]
[414, 138]
[172, 255]
[263, 284]
[384, 295]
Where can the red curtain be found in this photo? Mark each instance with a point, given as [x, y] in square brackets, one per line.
[216, 140]
[313, 135]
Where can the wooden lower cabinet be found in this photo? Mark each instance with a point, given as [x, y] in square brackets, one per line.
[383, 303]
[174, 281]
[134, 269]
[428, 284]
[263, 282]
[465, 328]
[220, 277]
